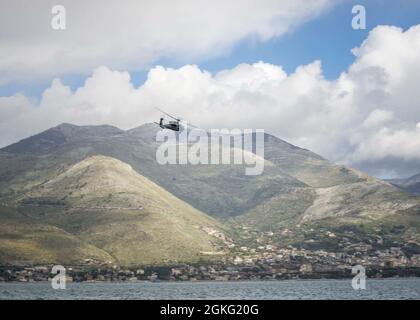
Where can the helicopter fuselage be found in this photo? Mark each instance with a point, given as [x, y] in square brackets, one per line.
[171, 125]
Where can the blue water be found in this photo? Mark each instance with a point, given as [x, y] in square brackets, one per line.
[407, 288]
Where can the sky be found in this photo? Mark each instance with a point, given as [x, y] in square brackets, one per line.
[294, 68]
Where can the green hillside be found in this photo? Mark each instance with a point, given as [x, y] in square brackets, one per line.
[109, 208]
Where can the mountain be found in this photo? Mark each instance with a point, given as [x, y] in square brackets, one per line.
[297, 192]
[306, 166]
[219, 190]
[109, 212]
[26, 240]
[222, 191]
[65, 133]
[352, 202]
[411, 184]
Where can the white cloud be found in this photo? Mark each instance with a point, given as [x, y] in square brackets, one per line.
[132, 35]
[401, 144]
[369, 117]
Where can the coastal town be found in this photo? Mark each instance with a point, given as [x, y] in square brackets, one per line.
[263, 263]
[255, 255]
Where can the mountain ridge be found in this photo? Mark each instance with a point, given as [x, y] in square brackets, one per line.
[410, 184]
[297, 188]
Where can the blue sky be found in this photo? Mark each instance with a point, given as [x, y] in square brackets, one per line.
[328, 38]
[375, 127]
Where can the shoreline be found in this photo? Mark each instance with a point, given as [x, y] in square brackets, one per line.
[395, 277]
[193, 273]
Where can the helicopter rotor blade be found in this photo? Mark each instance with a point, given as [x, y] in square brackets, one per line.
[177, 119]
[189, 124]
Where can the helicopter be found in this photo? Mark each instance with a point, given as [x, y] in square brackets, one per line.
[173, 124]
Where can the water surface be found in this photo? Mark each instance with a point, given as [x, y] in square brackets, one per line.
[407, 288]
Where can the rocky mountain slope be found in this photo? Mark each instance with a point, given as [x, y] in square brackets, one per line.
[298, 189]
[106, 211]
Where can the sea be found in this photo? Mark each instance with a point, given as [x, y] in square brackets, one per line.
[381, 289]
